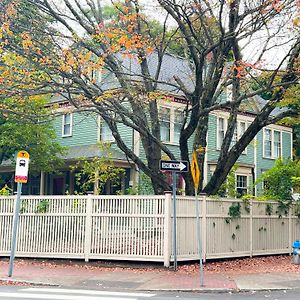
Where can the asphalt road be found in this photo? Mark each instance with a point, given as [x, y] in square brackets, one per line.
[54, 293]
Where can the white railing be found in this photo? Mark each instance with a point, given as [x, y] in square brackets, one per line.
[140, 228]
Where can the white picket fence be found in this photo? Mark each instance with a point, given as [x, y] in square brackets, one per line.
[140, 228]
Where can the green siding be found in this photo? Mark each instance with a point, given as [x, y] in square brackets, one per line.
[213, 153]
[286, 144]
[84, 130]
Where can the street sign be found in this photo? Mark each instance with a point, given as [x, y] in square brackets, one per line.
[174, 166]
[195, 171]
[21, 173]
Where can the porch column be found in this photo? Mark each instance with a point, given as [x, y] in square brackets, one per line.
[71, 182]
[134, 172]
[96, 183]
[42, 183]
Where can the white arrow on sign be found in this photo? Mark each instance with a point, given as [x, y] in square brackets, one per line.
[182, 166]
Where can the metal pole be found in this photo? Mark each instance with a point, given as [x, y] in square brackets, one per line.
[198, 238]
[15, 229]
[174, 220]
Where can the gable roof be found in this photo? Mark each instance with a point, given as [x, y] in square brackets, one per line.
[170, 67]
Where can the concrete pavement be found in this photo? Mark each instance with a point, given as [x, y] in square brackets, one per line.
[91, 276]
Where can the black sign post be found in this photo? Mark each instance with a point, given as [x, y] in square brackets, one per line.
[174, 166]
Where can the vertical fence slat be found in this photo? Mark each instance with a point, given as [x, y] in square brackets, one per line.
[88, 227]
[204, 226]
[167, 230]
[251, 229]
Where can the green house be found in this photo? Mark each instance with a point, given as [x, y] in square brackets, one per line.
[81, 133]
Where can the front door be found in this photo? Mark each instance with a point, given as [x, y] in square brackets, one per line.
[59, 185]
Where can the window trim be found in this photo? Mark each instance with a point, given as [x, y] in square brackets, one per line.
[176, 110]
[237, 131]
[240, 133]
[247, 182]
[64, 124]
[172, 113]
[100, 122]
[169, 141]
[280, 141]
[272, 130]
[218, 130]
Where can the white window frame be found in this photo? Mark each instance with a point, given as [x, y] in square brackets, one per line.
[240, 133]
[173, 123]
[280, 144]
[237, 131]
[172, 114]
[64, 124]
[219, 145]
[272, 134]
[100, 124]
[247, 182]
[166, 121]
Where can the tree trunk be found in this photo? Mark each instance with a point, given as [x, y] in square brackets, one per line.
[200, 145]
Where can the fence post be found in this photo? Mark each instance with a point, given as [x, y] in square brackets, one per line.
[290, 230]
[88, 227]
[167, 230]
[251, 228]
[204, 223]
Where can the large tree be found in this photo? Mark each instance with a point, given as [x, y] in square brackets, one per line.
[77, 39]
[25, 124]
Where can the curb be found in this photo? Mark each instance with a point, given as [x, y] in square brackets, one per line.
[265, 289]
[217, 290]
[20, 281]
[199, 290]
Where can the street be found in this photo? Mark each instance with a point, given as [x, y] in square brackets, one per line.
[55, 293]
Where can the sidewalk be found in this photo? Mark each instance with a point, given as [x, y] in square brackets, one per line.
[92, 276]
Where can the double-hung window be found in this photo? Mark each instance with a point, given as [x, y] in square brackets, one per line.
[242, 129]
[178, 121]
[105, 132]
[277, 144]
[268, 143]
[235, 136]
[239, 130]
[241, 184]
[171, 121]
[67, 125]
[221, 132]
[165, 128]
[272, 143]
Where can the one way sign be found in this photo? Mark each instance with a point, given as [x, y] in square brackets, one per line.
[175, 166]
